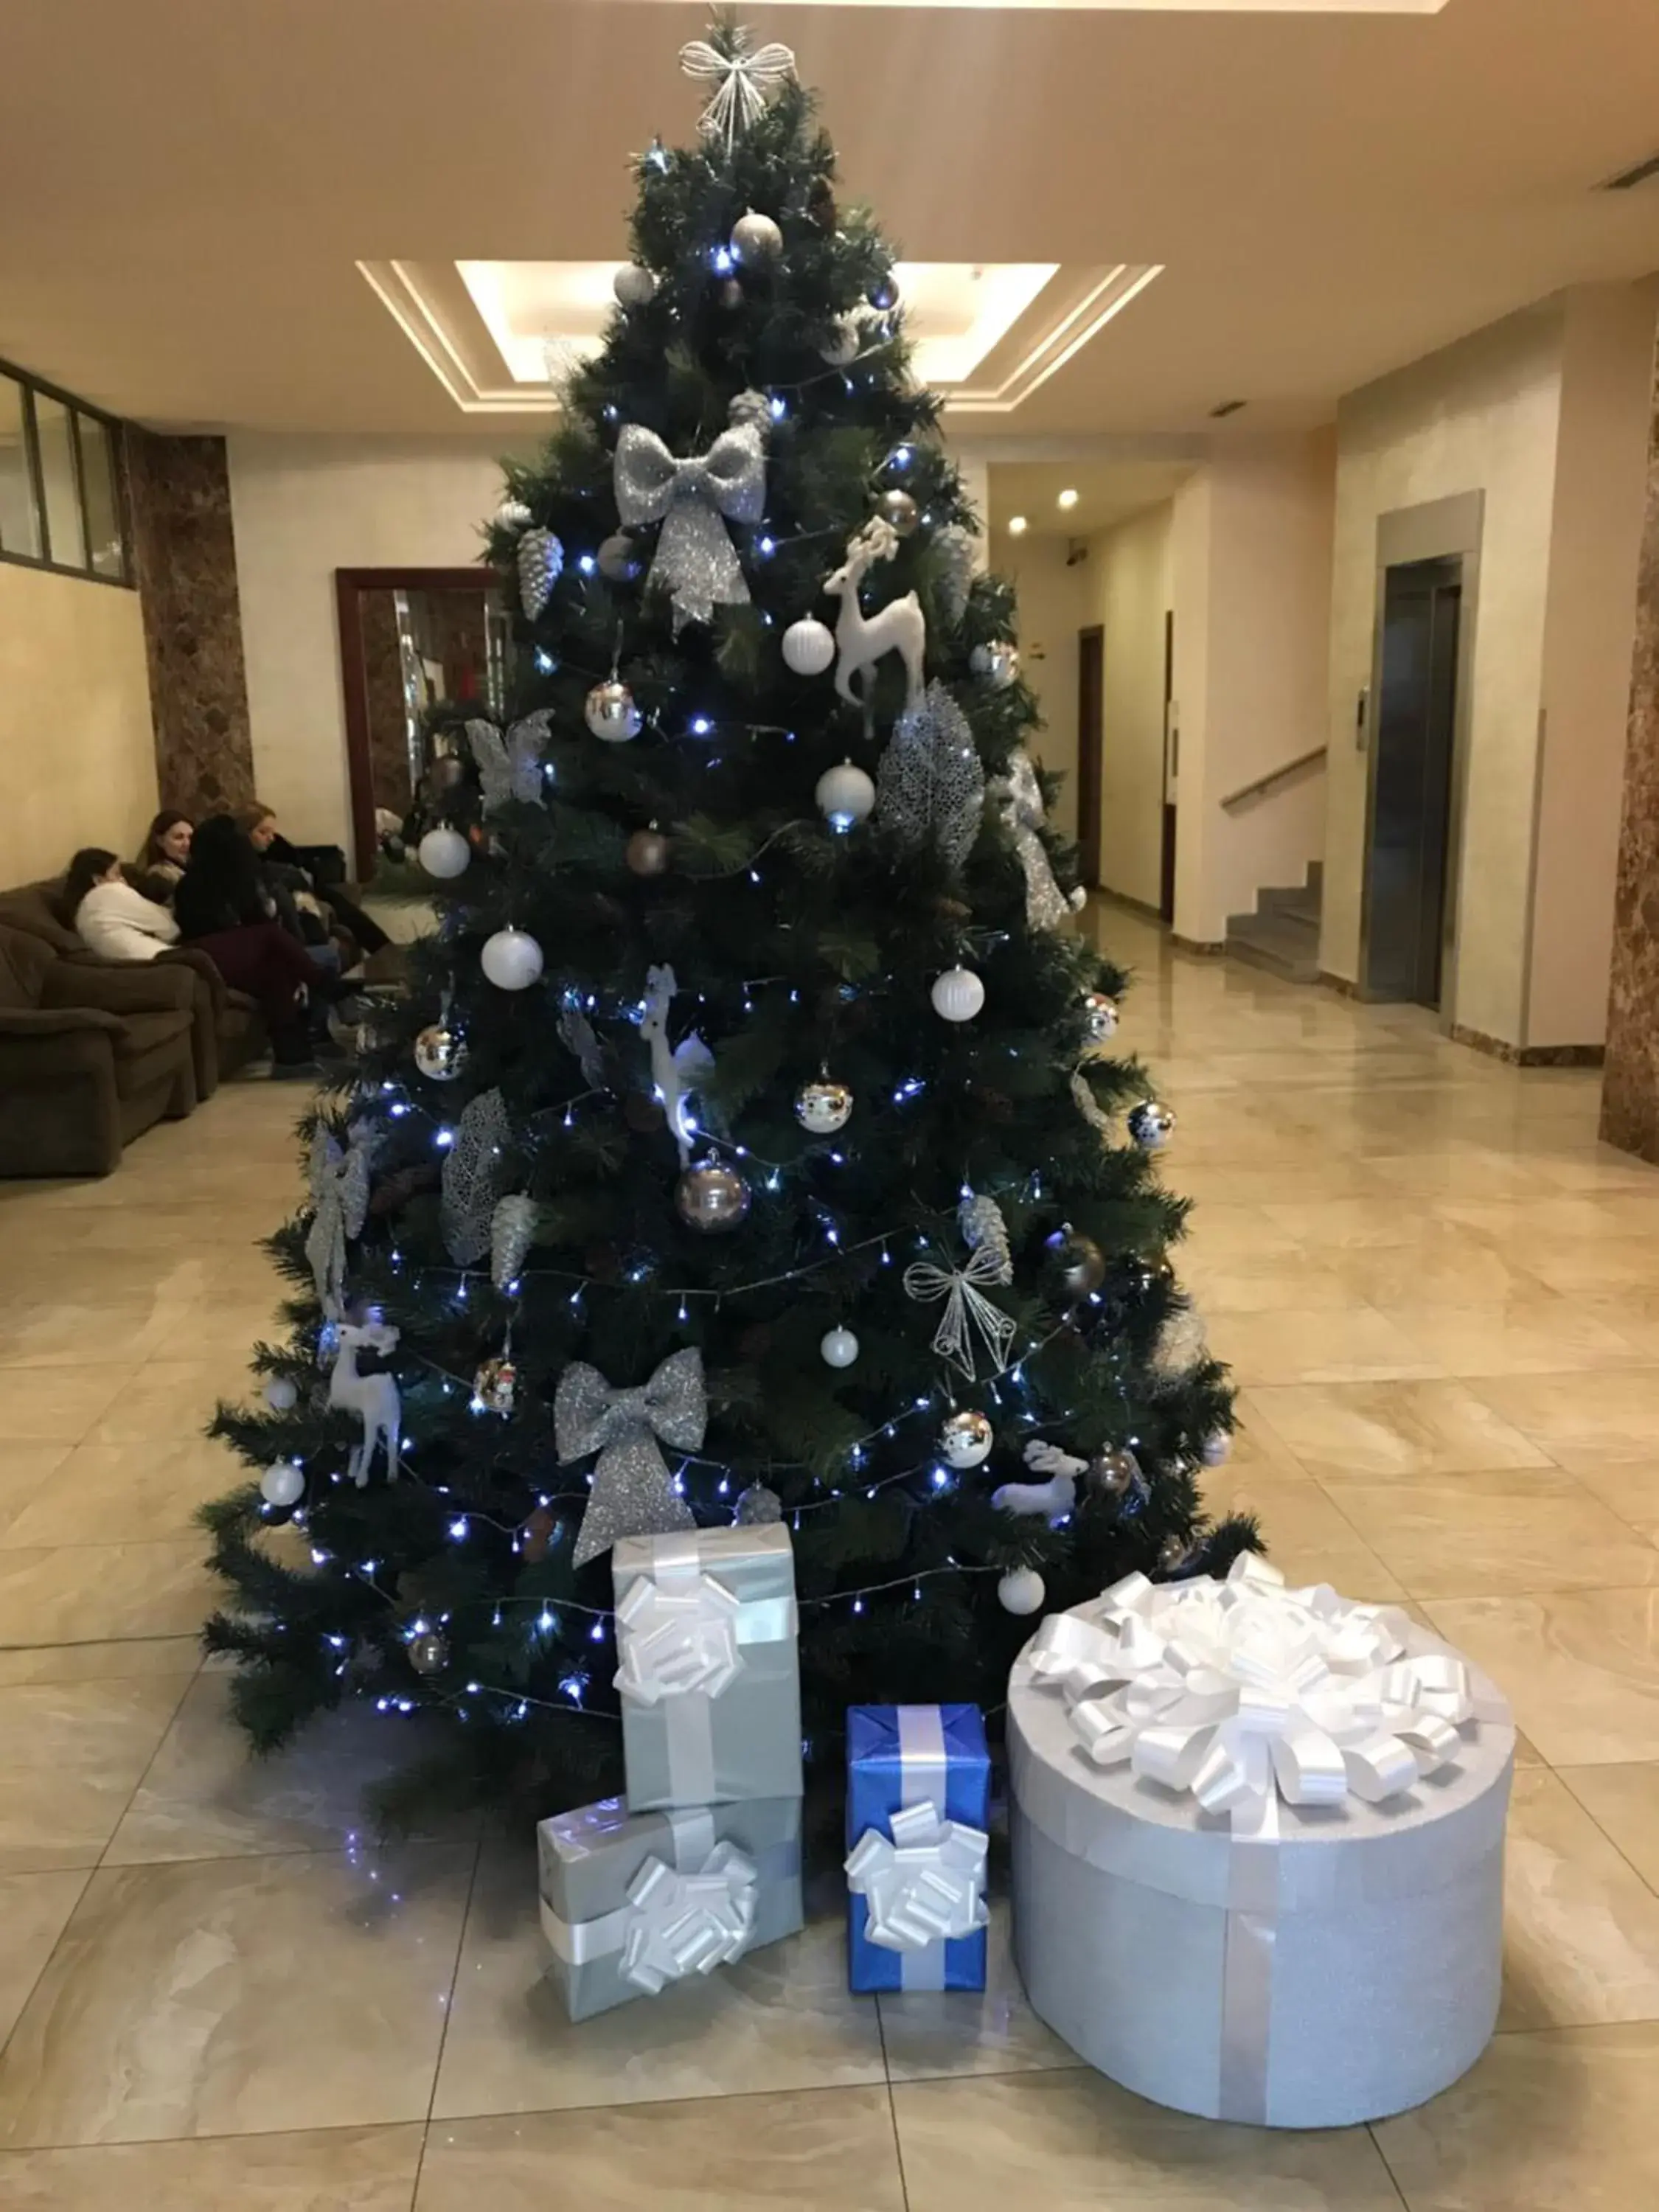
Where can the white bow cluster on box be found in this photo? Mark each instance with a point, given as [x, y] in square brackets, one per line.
[923, 1884]
[1243, 1692]
[677, 1640]
[688, 1924]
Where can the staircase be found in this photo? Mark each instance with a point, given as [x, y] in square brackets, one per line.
[1282, 935]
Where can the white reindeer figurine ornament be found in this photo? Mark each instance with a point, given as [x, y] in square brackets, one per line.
[861, 639]
[375, 1397]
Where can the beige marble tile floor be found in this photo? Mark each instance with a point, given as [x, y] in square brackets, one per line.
[1441, 1299]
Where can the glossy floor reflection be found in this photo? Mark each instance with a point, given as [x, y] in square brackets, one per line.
[1441, 1299]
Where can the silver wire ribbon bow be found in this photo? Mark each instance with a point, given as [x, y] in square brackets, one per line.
[924, 1884]
[695, 559]
[632, 1493]
[688, 1924]
[510, 767]
[745, 77]
[966, 1307]
[339, 1198]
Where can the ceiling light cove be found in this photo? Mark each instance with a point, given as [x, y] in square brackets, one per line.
[500, 335]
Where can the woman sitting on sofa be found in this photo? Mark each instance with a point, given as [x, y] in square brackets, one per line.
[165, 853]
[110, 918]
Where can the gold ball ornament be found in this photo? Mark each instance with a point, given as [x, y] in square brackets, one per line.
[824, 1107]
[899, 512]
[1081, 1262]
[439, 1053]
[711, 1197]
[1100, 1016]
[495, 1386]
[428, 1652]
[647, 852]
[610, 712]
[965, 1437]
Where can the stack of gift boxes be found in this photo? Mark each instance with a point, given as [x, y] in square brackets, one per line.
[701, 1863]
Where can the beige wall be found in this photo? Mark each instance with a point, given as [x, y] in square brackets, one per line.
[304, 506]
[1049, 598]
[74, 720]
[1601, 477]
[1480, 415]
[1126, 583]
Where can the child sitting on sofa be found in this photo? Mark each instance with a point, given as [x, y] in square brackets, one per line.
[110, 918]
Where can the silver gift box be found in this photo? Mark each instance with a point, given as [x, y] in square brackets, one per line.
[591, 1860]
[1343, 1968]
[709, 1670]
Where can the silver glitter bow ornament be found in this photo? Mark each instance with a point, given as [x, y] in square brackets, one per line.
[633, 1495]
[510, 767]
[339, 1200]
[695, 560]
[966, 1307]
[475, 1169]
[688, 1924]
[1019, 800]
[744, 76]
[1244, 1692]
[924, 1884]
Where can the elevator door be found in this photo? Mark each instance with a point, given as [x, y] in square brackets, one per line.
[1406, 888]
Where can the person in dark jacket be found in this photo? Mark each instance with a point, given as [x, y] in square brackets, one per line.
[283, 862]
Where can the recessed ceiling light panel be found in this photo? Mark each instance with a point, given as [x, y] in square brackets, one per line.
[1017, 526]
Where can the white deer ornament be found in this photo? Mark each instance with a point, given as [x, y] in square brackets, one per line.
[374, 1397]
[862, 640]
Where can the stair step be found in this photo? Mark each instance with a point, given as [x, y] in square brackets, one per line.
[1286, 945]
[1291, 898]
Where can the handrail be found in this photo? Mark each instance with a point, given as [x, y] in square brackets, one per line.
[1264, 784]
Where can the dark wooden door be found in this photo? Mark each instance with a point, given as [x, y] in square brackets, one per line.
[1091, 649]
[1172, 771]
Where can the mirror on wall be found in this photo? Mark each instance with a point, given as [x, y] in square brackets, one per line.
[411, 640]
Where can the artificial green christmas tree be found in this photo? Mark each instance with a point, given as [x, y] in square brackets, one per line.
[746, 1147]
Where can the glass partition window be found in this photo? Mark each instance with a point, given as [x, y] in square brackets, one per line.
[61, 503]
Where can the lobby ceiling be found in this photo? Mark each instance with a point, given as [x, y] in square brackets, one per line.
[1329, 190]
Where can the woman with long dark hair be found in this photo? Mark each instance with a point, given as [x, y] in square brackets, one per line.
[109, 916]
[164, 853]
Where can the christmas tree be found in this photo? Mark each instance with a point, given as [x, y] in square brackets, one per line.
[749, 1145]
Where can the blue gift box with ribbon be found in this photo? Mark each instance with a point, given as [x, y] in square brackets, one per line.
[918, 1807]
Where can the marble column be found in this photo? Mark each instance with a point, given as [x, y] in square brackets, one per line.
[185, 560]
[1630, 1093]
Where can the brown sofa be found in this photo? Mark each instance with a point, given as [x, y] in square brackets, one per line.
[227, 1030]
[91, 1054]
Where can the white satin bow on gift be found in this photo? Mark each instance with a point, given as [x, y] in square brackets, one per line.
[688, 1924]
[678, 1639]
[922, 1885]
[1244, 1692]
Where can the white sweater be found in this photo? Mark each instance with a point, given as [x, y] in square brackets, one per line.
[119, 923]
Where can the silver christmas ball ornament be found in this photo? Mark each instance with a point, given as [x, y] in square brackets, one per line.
[957, 994]
[756, 241]
[511, 959]
[844, 342]
[619, 558]
[1099, 1016]
[1021, 1590]
[759, 1507]
[1081, 1263]
[1217, 1448]
[428, 1652]
[634, 287]
[1114, 1471]
[282, 1395]
[839, 1347]
[439, 1053]
[899, 512]
[444, 852]
[884, 294]
[965, 1437]
[513, 514]
[824, 1107]
[996, 664]
[611, 714]
[1152, 1125]
[1173, 1554]
[495, 1386]
[283, 1483]
[711, 1196]
[845, 795]
[809, 647]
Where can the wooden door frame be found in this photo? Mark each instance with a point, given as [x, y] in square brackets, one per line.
[354, 680]
[1088, 779]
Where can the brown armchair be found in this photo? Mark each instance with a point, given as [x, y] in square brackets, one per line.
[91, 1054]
[225, 1028]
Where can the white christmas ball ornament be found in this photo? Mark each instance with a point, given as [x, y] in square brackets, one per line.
[844, 342]
[808, 647]
[1020, 1591]
[845, 795]
[840, 1347]
[755, 239]
[957, 994]
[513, 514]
[282, 1395]
[634, 287]
[283, 1483]
[444, 852]
[512, 959]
